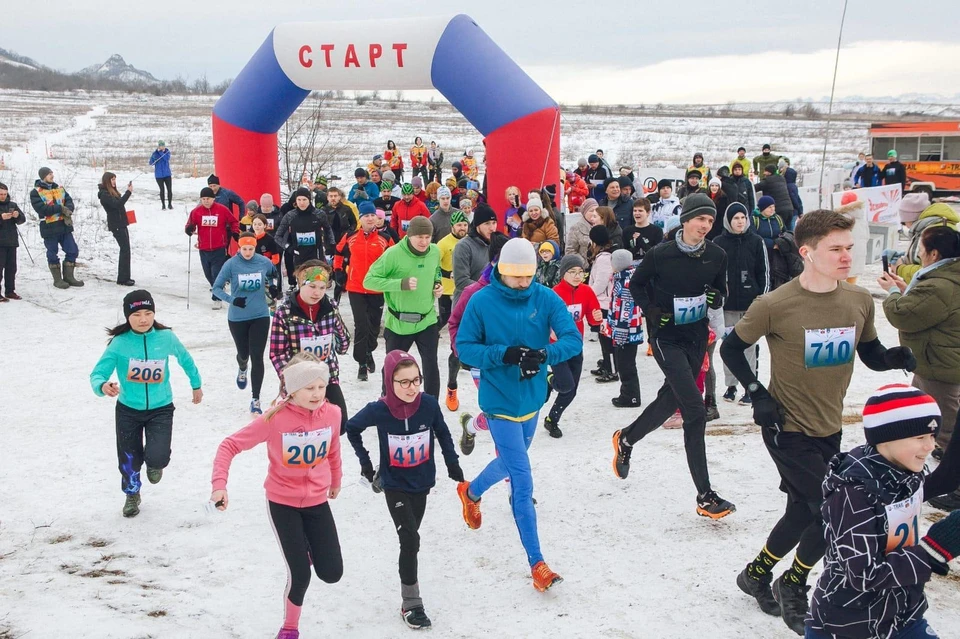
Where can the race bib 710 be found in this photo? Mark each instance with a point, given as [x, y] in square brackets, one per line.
[828, 346]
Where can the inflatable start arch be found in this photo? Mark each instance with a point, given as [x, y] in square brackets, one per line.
[519, 121]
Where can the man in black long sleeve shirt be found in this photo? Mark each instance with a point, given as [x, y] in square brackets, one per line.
[894, 172]
[684, 276]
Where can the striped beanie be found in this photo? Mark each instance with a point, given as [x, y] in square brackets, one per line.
[457, 217]
[898, 411]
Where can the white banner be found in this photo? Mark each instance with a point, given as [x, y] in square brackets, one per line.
[359, 55]
[883, 202]
[648, 178]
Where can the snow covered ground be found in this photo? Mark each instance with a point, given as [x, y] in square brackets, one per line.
[636, 560]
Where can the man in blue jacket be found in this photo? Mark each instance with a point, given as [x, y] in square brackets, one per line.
[505, 332]
[160, 161]
[225, 196]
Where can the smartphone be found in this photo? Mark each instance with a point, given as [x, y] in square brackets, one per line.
[886, 263]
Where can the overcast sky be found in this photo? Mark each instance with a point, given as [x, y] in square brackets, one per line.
[580, 51]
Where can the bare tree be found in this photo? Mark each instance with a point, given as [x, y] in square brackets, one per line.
[307, 145]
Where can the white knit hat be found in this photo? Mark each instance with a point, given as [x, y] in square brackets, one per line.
[301, 374]
[620, 260]
[517, 258]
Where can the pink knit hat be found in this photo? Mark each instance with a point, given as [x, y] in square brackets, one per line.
[912, 205]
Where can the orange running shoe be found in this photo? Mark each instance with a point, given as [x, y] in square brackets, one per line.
[649, 349]
[471, 509]
[543, 577]
[452, 402]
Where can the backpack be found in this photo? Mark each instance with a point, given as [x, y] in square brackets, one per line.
[785, 261]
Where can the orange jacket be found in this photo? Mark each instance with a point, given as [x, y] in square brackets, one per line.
[356, 252]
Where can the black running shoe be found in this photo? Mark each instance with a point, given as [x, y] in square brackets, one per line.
[712, 505]
[731, 394]
[552, 428]
[362, 374]
[710, 403]
[607, 377]
[415, 618]
[467, 440]
[948, 503]
[600, 370]
[759, 590]
[793, 604]
[626, 402]
[371, 365]
[621, 456]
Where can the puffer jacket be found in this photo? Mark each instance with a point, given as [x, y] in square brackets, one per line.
[873, 572]
[776, 187]
[54, 206]
[928, 318]
[540, 230]
[578, 239]
[935, 214]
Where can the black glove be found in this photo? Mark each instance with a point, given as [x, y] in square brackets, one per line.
[274, 292]
[240, 302]
[514, 354]
[900, 357]
[530, 363]
[377, 483]
[714, 297]
[665, 319]
[367, 473]
[942, 541]
[340, 277]
[190, 230]
[455, 473]
[767, 412]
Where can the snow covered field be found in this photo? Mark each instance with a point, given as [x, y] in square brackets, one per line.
[636, 560]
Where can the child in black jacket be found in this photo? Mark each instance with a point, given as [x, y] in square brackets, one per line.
[407, 421]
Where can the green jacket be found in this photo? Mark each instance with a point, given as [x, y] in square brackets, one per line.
[139, 387]
[928, 318]
[393, 267]
[935, 214]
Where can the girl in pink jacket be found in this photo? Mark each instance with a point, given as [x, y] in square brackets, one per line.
[303, 446]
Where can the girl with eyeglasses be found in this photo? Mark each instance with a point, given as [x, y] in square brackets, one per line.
[407, 422]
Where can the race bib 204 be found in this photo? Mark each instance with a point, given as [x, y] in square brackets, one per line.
[305, 450]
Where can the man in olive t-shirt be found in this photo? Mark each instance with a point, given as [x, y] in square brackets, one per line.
[813, 325]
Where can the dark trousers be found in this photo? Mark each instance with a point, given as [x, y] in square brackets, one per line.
[212, 262]
[289, 261]
[435, 174]
[445, 306]
[335, 397]
[367, 313]
[426, 341]
[407, 511]
[802, 463]
[251, 339]
[133, 427]
[307, 535]
[8, 268]
[566, 381]
[422, 172]
[168, 183]
[626, 359]
[122, 236]
[65, 240]
[680, 363]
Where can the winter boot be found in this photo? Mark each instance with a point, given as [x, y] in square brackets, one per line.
[625, 401]
[68, 268]
[131, 507]
[759, 589]
[362, 374]
[552, 428]
[793, 603]
[710, 403]
[154, 475]
[57, 277]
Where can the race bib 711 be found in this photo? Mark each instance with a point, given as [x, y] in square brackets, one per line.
[407, 451]
[305, 450]
[828, 346]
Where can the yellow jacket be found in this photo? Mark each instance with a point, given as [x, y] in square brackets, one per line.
[744, 162]
[446, 246]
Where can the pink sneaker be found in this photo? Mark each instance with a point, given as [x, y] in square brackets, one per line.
[288, 633]
[676, 421]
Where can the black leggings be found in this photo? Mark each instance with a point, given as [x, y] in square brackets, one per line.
[251, 336]
[566, 381]
[166, 182]
[407, 511]
[335, 397]
[307, 535]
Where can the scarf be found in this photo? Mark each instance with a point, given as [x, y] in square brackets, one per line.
[686, 249]
[927, 269]
[397, 407]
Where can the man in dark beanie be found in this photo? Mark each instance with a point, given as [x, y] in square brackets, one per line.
[225, 196]
[688, 275]
[10, 217]
[666, 205]
[214, 225]
[364, 189]
[470, 254]
[694, 176]
[55, 207]
[304, 233]
[765, 158]
[408, 274]
[614, 198]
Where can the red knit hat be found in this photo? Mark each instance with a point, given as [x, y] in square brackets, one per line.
[898, 411]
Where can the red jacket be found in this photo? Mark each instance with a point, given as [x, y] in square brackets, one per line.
[403, 213]
[418, 156]
[576, 192]
[359, 251]
[580, 301]
[394, 159]
[213, 226]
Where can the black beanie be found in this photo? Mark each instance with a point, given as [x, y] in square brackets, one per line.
[360, 172]
[771, 169]
[207, 192]
[483, 213]
[139, 300]
[593, 158]
[694, 172]
[302, 192]
[624, 181]
[697, 204]
[733, 209]
[213, 179]
[664, 183]
[44, 172]
[609, 181]
[599, 235]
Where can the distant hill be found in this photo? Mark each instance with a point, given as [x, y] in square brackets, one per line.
[116, 68]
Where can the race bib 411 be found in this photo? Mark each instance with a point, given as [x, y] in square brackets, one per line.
[407, 451]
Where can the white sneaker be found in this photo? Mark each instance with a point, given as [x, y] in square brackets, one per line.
[218, 305]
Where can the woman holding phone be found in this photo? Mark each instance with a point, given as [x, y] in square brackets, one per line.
[114, 204]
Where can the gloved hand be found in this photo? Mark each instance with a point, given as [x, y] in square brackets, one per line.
[714, 297]
[455, 473]
[665, 319]
[514, 354]
[189, 230]
[900, 357]
[377, 483]
[767, 412]
[274, 292]
[367, 473]
[360, 194]
[530, 363]
[942, 541]
[340, 277]
[240, 302]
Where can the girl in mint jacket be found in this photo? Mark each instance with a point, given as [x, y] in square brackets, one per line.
[139, 351]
